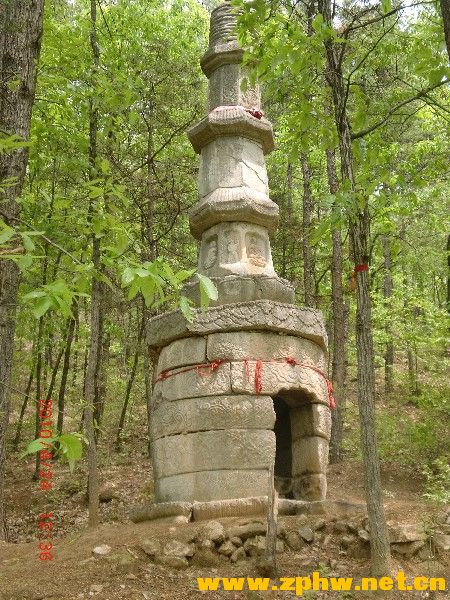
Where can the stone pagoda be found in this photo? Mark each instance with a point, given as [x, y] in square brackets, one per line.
[243, 385]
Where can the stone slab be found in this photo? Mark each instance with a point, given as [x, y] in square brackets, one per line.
[213, 450]
[212, 413]
[150, 512]
[192, 384]
[212, 485]
[312, 419]
[233, 507]
[309, 455]
[244, 288]
[265, 346]
[259, 315]
[294, 383]
[190, 351]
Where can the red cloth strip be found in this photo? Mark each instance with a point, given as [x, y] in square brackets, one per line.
[361, 268]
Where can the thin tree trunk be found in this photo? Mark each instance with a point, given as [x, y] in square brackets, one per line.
[20, 37]
[129, 386]
[387, 291]
[359, 234]
[94, 357]
[308, 253]
[448, 273]
[64, 375]
[37, 424]
[23, 408]
[339, 326]
[445, 11]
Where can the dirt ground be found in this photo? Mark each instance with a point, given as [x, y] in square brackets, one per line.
[127, 572]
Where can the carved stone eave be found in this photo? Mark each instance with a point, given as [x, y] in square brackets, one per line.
[260, 315]
[226, 205]
[231, 120]
[221, 54]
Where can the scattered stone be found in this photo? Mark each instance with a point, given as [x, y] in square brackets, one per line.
[151, 547]
[359, 549]
[246, 531]
[306, 533]
[347, 540]
[178, 549]
[279, 547]
[227, 548]
[236, 540]
[96, 588]
[205, 544]
[238, 554]
[255, 546]
[107, 493]
[405, 533]
[205, 557]
[363, 535]
[320, 524]
[408, 549]
[293, 540]
[442, 542]
[101, 550]
[340, 527]
[214, 531]
[176, 562]
[302, 519]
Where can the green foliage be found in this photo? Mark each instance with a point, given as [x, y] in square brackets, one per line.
[437, 477]
[68, 445]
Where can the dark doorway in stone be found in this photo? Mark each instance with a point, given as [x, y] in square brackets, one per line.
[283, 451]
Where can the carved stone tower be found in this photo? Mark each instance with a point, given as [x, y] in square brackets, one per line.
[243, 385]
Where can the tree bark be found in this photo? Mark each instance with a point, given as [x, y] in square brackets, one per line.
[96, 317]
[308, 254]
[64, 375]
[387, 292]
[339, 324]
[20, 40]
[445, 11]
[359, 234]
[23, 408]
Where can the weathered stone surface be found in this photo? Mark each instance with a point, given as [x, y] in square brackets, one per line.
[306, 533]
[233, 122]
[408, 549]
[255, 546]
[244, 288]
[246, 531]
[179, 549]
[280, 377]
[161, 510]
[236, 248]
[311, 420]
[404, 533]
[237, 345]
[238, 554]
[227, 548]
[189, 351]
[234, 507]
[225, 88]
[309, 455]
[231, 162]
[212, 413]
[214, 531]
[151, 547]
[310, 487]
[442, 542]
[191, 384]
[212, 485]
[236, 204]
[174, 562]
[260, 315]
[101, 550]
[293, 540]
[207, 450]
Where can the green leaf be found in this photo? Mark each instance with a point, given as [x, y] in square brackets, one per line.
[186, 308]
[42, 306]
[72, 448]
[6, 234]
[37, 445]
[208, 290]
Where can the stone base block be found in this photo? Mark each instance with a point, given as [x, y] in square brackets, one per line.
[309, 455]
[213, 450]
[310, 487]
[310, 420]
[212, 485]
[194, 383]
[212, 413]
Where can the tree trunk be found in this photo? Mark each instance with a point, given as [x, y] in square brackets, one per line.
[339, 325]
[96, 317]
[64, 375]
[359, 234]
[20, 38]
[129, 386]
[387, 291]
[37, 424]
[308, 254]
[448, 273]
[23, 408]
[445, 11]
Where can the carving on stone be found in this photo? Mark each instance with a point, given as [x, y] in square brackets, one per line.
[210, 252]
[232, 244]
[256, 249]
